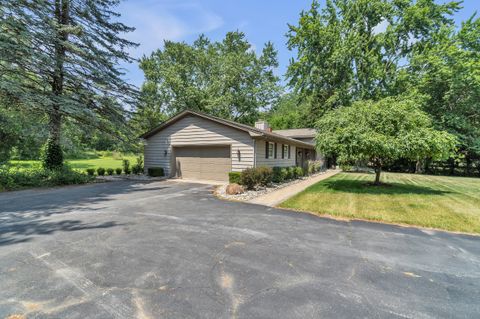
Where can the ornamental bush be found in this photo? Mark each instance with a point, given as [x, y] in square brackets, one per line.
[90, 171]
[118, 171]
[52, 155]
[234, 177]
[156, 171]
[110, 171]
[126, 166]
[101, 171]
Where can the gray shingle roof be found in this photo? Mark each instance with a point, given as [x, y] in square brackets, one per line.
[255, 131]
[297, 132]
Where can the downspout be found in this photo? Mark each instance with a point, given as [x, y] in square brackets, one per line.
[254, 152]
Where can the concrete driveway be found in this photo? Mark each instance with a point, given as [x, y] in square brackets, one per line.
[172, 250]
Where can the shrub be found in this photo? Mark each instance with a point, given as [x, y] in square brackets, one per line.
[156, 171]
[279, 174]
[101, 171]
[118, 171]
[110, 171]
[265, 175]
[138, 167]
[252, 177]
[18, 178]
[285, 174]
[249, 178]
[126, 166]
[90, 171]
[234, 177]
[346, 167]
[299, 172]
[52, 155]
[290, 172]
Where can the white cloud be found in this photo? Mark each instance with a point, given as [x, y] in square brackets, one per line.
[159, 20]
[156, 21]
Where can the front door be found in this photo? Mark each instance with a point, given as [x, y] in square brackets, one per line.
[299, 157]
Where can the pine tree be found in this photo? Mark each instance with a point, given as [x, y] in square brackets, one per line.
[60, 57]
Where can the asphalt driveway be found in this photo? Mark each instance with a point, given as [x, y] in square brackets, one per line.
[172, 250]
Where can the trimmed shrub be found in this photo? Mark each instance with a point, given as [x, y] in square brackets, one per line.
[16, 178]
[156, 171]
[234, 177]
[110, 171]
[265, 175]
[52, 155]
[279, 174]
[90, 171]
[118, 171]
[252, 177]
[101, 171]
[249, 178]
[126, 166]
[138, 167]
[299, 172]
[290, 172]
[285, 174]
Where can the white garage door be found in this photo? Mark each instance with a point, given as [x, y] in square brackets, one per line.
[203, 162]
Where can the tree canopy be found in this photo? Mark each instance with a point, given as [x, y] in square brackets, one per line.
[226, 78]
[352, 49]
[60, 58]
[380, 132]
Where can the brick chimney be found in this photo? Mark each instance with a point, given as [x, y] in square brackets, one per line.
[263, 125]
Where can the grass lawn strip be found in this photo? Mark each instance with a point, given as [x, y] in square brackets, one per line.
[449, 203]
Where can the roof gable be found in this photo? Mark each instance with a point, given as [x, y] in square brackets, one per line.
[254, 132]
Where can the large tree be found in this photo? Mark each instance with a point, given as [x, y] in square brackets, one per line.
[381, 132]
[60, 57]
[227, 79]
[448, 72]
[352, 49]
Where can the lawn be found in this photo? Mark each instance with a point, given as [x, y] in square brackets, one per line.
[83, 164]
[450, 203]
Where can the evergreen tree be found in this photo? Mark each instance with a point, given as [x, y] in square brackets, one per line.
[60, 57]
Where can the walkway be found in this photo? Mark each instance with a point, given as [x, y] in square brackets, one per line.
[276, 197]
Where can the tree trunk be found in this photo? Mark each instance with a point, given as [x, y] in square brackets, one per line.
[419, 167]
[378, 170]
[53, 156]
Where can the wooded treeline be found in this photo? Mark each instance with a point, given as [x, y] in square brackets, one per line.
[61, 84]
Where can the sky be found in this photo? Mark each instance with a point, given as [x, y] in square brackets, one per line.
[184, 20]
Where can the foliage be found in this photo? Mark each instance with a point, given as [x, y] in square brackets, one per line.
[100, 171]
[126, 166]
[156, 171]
[118, 171]
[12, 178]
[299, 172]
[138, 167]
[110, 171]
[250, 178]
[234, 177]
[90, 171]
[447, 71]
[287, 113]
[279, 174]
[381, 132]
[352, 49]
[60, 59]
[52, 155]
[265, 175]
[225, 79]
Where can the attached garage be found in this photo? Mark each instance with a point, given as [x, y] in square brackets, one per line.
[203, 162]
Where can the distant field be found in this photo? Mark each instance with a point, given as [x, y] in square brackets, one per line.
[82, 164]
[450, 203]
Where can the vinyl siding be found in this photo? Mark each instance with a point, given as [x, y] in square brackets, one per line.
[260, 152]
[193, 130]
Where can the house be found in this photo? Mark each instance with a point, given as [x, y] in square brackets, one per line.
[195, 145]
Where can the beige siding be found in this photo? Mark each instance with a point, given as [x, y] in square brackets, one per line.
[271, 162]
[193, 130]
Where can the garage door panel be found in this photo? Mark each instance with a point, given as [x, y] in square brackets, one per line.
[203, 162]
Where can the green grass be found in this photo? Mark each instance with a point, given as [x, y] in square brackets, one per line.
[450, 203]
[83, 164]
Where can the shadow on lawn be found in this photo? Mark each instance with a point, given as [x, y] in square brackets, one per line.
[364, 187]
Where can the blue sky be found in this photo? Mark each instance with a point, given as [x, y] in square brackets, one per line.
[183, 20]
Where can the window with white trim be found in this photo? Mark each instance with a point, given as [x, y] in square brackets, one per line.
[271, 150]
[285, 151]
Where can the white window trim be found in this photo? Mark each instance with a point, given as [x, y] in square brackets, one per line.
[271, 150]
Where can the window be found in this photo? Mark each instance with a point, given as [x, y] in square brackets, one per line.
[285, 151]
[270, 150]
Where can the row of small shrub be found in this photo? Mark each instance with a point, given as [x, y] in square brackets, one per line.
[13, 178]
[263, 176]
[135, 169]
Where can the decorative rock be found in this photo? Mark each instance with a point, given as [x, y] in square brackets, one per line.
[234, 189]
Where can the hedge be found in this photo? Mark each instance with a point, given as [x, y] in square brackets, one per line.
[156, 171]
